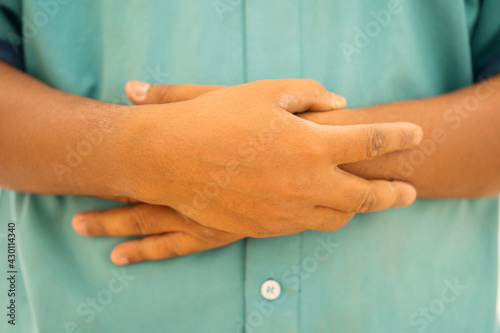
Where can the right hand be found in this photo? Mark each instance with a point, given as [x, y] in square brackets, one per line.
[236, 159]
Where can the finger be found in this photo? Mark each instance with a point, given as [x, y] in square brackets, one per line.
[364, 142]
[357, 195]
[126, 200]
[164, 246]
[337, 117]
[142, 219]
[328, 219]
[299, 95]
[145, 93]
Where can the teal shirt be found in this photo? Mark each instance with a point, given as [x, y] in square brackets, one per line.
[431, 267]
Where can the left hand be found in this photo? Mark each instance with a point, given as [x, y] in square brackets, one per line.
[144, 93]
[169, 234]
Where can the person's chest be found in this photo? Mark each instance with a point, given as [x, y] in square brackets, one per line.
[369, 51]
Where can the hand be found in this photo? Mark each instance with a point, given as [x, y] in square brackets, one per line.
[179, 234]
[167, 233]
[241, 166]
[379, 168]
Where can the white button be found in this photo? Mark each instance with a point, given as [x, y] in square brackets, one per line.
[270, 290]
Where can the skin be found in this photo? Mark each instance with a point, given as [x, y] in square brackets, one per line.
[458, 163]
[171, 155]
[461, 149]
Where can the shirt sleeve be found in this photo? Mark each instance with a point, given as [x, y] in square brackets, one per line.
[485, 38]
[11, 41]
[492, 69]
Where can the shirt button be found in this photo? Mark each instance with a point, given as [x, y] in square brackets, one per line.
[270, 290]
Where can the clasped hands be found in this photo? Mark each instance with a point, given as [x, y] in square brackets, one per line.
[218, 164]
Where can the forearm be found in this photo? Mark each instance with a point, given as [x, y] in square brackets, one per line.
[460, 153]
[56, 143]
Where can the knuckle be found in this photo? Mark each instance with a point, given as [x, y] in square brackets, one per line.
[377, 142]
[215, 238]
[168, 252]
[139, 220]
[174, 248]
[368, 201]
[335, 222]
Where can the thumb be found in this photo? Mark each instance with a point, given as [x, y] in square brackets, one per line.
[145, 93]
[300, 95]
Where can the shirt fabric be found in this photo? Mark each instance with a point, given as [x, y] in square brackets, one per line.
[430, 267]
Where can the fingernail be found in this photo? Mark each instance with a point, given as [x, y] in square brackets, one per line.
[80, 226]
[140, 89]
[409, 195]
[417, 136]
[122, 261]
[339, 101]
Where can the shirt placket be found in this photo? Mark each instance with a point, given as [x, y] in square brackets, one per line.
[273, 51]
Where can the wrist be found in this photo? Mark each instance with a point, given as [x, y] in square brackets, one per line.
[113, 134]
[143, 143]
